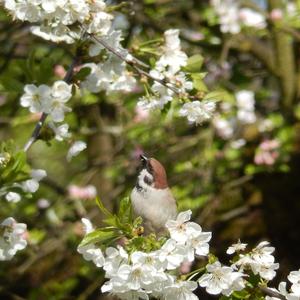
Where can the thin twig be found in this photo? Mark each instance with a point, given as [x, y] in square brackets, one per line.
[136, 64]
[271, 292]
[40, 123]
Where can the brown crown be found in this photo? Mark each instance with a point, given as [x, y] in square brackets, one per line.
[159, 174]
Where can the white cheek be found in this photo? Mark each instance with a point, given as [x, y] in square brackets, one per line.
[144, 173]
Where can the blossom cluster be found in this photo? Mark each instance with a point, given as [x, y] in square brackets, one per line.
[58, 20]
[111, 74]
[139, 274]
[245, 114]
[246, 107]
[168, 69]
[12, 192]
[232, 17]
[133, 274]
[293, 293]
[267, 152]
[12, 238]
[260, 261]
[51, 101]
[66, 20]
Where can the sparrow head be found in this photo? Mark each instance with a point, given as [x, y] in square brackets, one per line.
[152, 173]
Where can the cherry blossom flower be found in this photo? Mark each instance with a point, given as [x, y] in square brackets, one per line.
[220, 279]
[180, 290]
[11, 238]
[173, 58]
[267, 152]
[236, 248]
[85, 192]
[75, 149]
[32, 185]
[61, 131]
[57, 17]
[13, 197]
[172, 255]
[90, 252]
[36, 98]
[260, 260]
[197, 112]
[223, 127]
[251, 18]
[246, 106]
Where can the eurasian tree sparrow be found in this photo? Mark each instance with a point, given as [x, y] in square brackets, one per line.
[151, 197]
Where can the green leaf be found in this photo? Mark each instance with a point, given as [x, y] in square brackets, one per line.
[198, 83]
[101, 236]
[215, 96]
[11, 85]
[102, 208]
[125, 211]
[194, 64]
[83, 73]
[45, 71]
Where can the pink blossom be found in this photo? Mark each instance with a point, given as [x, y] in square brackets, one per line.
[276, 14]
[267, 153]
[140, 114]
[186, 267]
[85, 192]
[59, 71]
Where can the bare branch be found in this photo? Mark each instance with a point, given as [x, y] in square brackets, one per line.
[271, 292]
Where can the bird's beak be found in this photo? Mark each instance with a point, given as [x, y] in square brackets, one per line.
[144, 160]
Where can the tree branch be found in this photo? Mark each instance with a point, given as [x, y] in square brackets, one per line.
[136, 65]
[285, 60]
[271, 292]
[36, 132]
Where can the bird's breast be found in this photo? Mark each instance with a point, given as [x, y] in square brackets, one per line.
[155, 206]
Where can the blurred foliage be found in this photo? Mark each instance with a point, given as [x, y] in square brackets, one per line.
[228, 193]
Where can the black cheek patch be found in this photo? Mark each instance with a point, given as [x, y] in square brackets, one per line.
[147, 180]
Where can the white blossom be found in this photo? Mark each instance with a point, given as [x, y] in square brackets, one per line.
[223, 127]
[11, 238]
[245, 100]
[75, 149]
[294, 278]
[251, 18]
[90, 252]
[49, 100]
[114, 257]
[32, 185]
[133, 295]
[246, 106]
[197, 112]
[61, 131]
[220, 279]
[173, 58]
[260, 260]
[55, 18]
[13, 197]
[38, 99]
[199, 242]
[61, 93]
[228, 13]
[236, 248]
[180, 290]
[232, 16]
[172, 255]
[109, 76]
